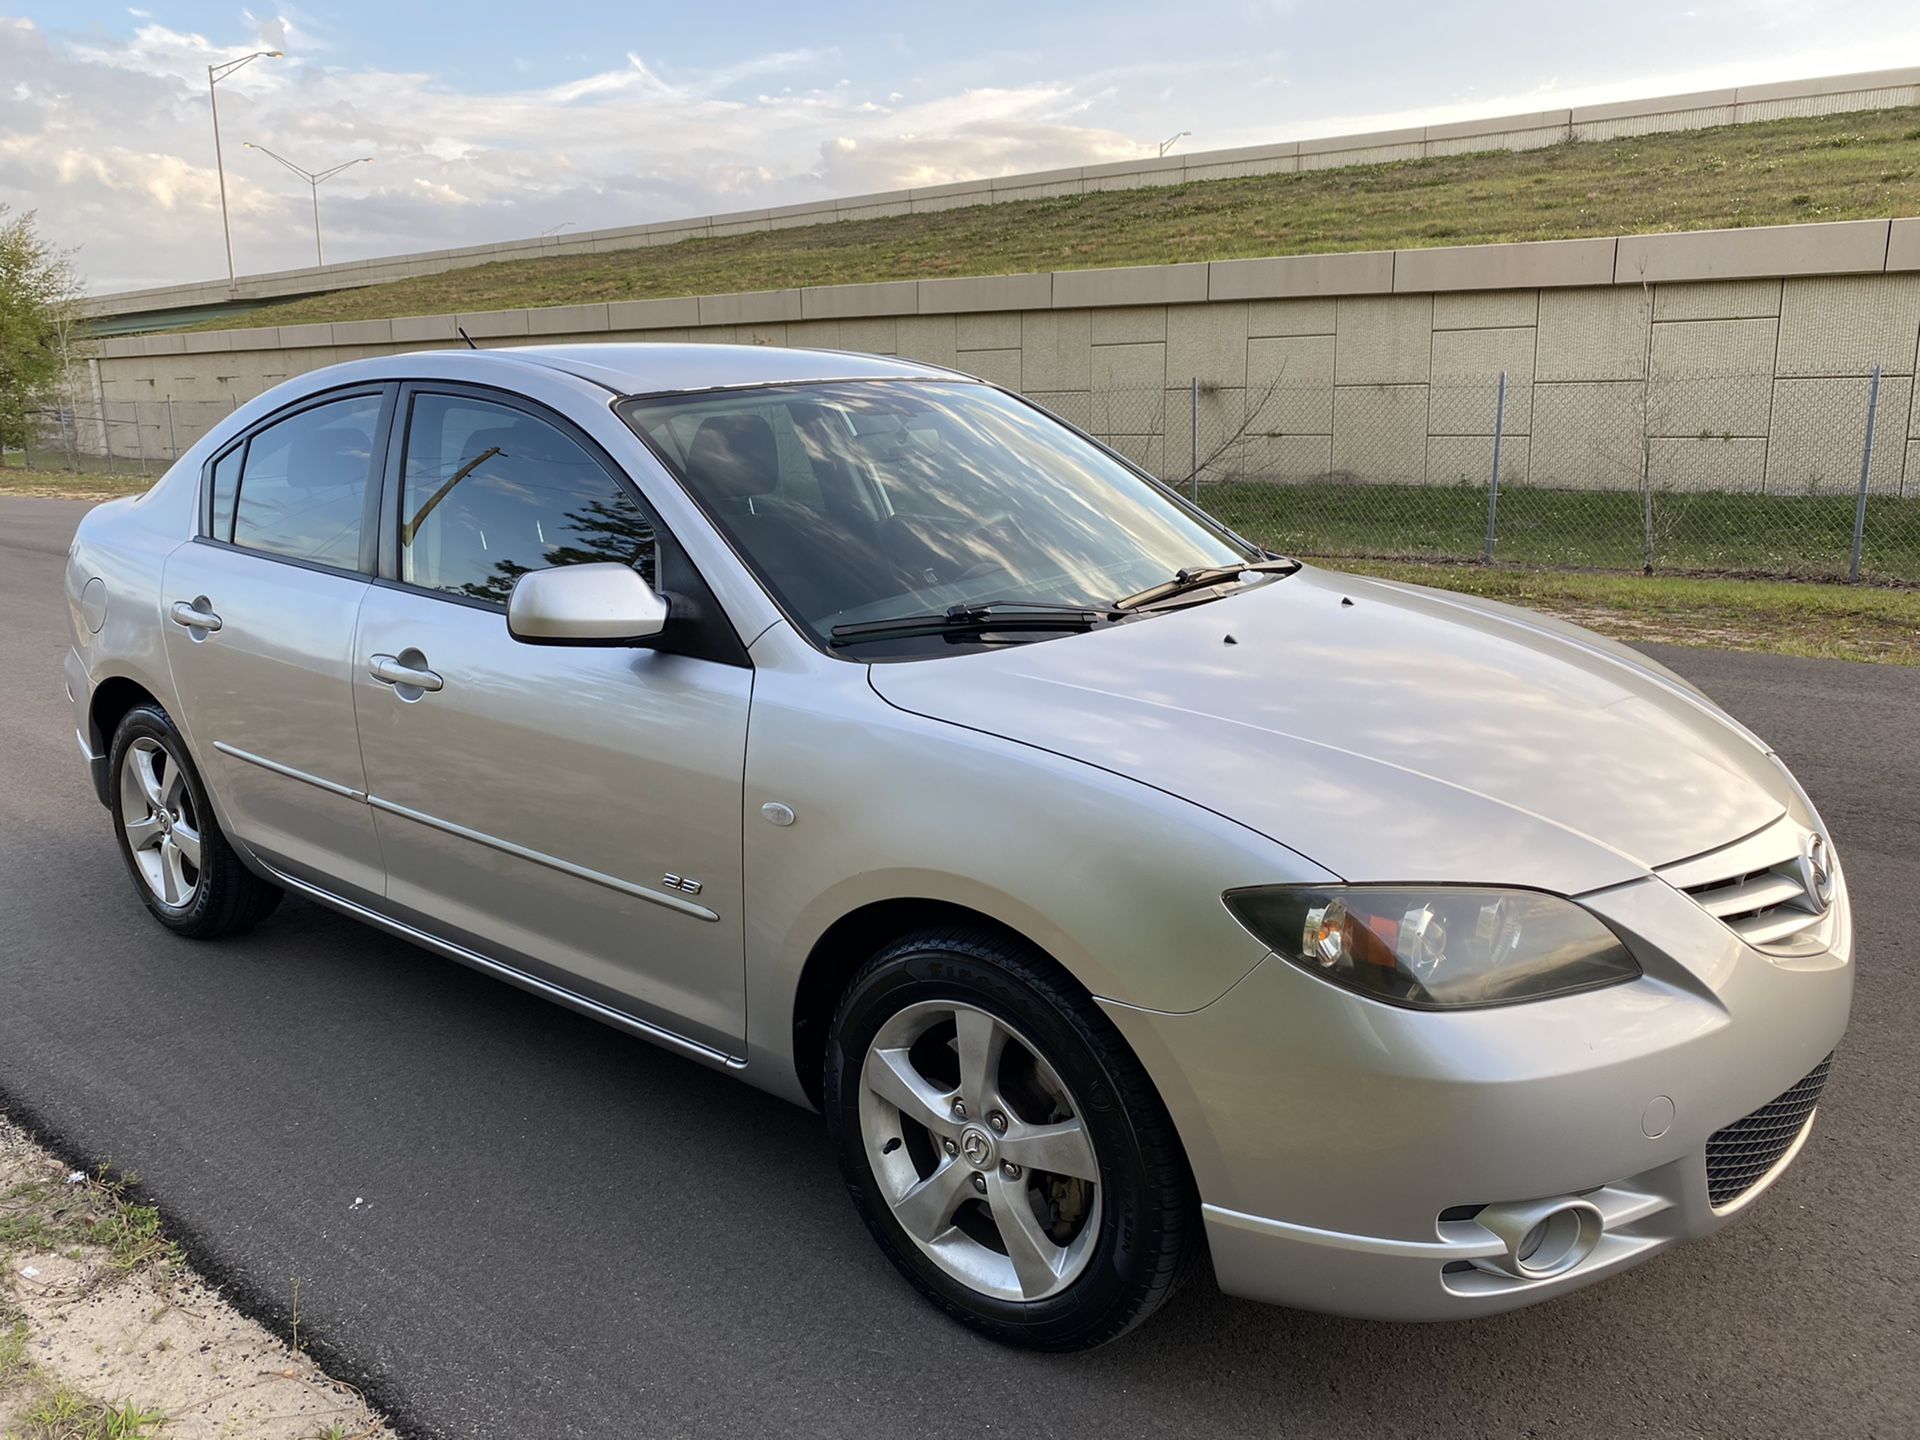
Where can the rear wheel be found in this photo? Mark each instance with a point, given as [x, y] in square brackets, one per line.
[1003, 1144]
[184, 870]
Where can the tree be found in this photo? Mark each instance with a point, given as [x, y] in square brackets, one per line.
[39, 294]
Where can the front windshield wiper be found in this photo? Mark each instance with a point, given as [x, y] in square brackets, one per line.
[1186, 580]
[966, 619]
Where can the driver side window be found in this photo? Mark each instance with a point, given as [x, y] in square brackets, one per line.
[491, 492]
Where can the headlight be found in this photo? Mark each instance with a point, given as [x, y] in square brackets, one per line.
[1438, 948]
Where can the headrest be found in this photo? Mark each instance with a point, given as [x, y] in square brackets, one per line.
[733, 457]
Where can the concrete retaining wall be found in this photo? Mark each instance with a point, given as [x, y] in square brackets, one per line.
[1878, 89]
[1374, 367]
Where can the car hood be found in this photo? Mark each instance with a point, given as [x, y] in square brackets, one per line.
[1386, 732]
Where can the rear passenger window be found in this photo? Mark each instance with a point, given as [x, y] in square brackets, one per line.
[492, 492]
[303, 491]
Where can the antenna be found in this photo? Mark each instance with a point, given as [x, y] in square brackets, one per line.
[461, 331]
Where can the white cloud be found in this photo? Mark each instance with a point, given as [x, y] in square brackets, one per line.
[111, 141]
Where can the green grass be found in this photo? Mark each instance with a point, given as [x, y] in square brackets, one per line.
[66, 485]
[67, 1415]
[1702, 532]
[1834, 167]
[48, 1216]
[1834, 622]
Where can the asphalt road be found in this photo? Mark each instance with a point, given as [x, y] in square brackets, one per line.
[509, 1221]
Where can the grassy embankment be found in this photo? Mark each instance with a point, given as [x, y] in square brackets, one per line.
[1836, 167]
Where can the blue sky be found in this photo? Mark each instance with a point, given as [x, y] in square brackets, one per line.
[489, 120]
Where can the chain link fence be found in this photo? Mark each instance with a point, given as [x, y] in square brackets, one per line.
[130, 438]
[1744, 474]
[1684, 473]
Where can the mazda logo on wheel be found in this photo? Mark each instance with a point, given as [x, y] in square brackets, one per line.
[977, 1147]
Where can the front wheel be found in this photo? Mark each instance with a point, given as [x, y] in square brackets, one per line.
[1002, 1143]
[186, 873]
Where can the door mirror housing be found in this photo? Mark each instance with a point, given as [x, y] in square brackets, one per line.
[603, 604]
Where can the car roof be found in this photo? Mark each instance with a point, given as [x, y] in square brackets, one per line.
[650, 369]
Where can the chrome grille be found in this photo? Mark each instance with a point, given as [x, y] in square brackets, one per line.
[1746, 1150]
[1755, 886]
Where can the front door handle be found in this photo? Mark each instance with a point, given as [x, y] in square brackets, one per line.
[390, 670]
[191, 614]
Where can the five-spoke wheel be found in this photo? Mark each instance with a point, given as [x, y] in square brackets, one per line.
[980, 1150]
[162, 828]
[190, 878]
[1002, 1142]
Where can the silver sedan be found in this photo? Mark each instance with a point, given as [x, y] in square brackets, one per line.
[1121, 892]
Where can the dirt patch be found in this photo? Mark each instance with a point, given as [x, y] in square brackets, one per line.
[104, 1332]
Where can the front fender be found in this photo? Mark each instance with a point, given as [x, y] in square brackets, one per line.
[1119, 882]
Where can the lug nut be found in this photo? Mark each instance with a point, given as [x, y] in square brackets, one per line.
[952, 1149]
[959, 1109]
[1009, 1169]
[980, 1182]
[998, 1122]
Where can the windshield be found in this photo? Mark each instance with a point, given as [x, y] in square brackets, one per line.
[870, 500]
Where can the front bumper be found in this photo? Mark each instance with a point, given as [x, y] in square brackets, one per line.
[1342, 1146]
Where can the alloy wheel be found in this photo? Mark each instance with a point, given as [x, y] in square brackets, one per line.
[161, 822]
[980, 1150]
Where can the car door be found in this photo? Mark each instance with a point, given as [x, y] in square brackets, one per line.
[259, 615]
[573, 812]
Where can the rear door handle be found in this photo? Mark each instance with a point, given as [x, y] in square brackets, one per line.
[388, 670]
[189, 614]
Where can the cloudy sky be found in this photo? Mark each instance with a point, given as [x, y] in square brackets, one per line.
[489, 121]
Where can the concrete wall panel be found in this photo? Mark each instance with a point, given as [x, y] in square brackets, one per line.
[1383, 340]
[1292, 317]
[1208, 341]
[987, 332]
[1299, 371]
[1845, 325]
[1130, 325]
[932, 338]
[1696, 466]
[1467, 365]
[1819, 431]
[1486, 309]
[1058, 350]
[1593, 334]
[1380, 433]
[1716, 300]
[996, 367]
[1586, 435]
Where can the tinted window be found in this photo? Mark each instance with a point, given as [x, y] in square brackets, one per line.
[866, 501]
[303, 492]
[492, 492]
[226, 486]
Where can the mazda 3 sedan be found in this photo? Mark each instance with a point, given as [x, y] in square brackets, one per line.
[1120, 892]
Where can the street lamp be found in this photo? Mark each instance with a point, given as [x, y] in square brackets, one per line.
[314, 181]
[1173, 140]
[215, 74]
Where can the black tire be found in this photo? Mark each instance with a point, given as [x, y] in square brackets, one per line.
[1148, 1224]
[227, 897]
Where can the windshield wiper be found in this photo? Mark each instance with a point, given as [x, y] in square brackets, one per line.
[965, 619]
[1186, 580]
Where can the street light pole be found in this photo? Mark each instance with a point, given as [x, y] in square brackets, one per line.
[215, 74]
[1173, 140]
[314, 181]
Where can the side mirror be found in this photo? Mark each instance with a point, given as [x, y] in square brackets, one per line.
[605, 604]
